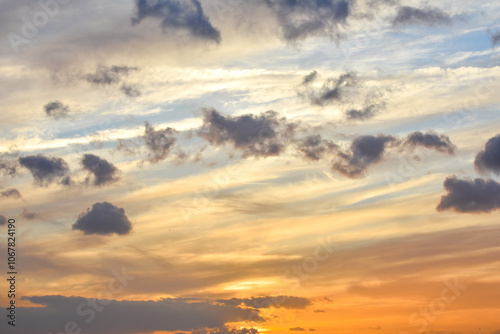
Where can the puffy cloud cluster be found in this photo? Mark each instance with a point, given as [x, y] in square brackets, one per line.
[470, 195]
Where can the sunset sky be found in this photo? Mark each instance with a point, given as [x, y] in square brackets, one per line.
[251, 166]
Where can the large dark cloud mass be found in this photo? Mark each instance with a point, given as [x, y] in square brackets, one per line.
[45, 170]
[186, 15]
[11, 193]
[104, 172]
[258, 136]
[103, 219]
[159, 142]
[301, 19]
[108, 75]
[364, 152]
[470, 196]
[420, 16]
[488, 160]
[127, 317]
[56, 110]
[430, 140]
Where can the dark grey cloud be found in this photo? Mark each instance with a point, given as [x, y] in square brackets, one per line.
[11, 193]
[430, 140]
[421, 16]
[315, 148]
[287, 302]
[334, 90]
[159, 142]
[127, 317]
[495, 38]
[3, 220]
[301, 19]
[45, 170]
[364, 152]
[258, 136]
[470, 195]
[310, 78]
[104, 172]
[108, 75]
[130, 90]
[364, 113]
[56, 110]
[103, 219]
[184, 15]
[296, 329]
[9, 164]
[488, 160]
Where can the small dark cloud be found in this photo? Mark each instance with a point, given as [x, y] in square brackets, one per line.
[3, 220]
[421, 16]
[310, 78]
[307, 18]
[469, 196]
[184, 15]
[334, 90]
[488, 160]
[296, 329]
[66, 181]
[109, 75]
[312, 330]
[28, 215]
[363, 114]
[315, 148]
[495, 38]
[319, 311]
[104, 171]
[264, 135]
[103, 219]
[45, 170]
[430, 140]
[130, 90]
[159, 142]
[11, 193]
[364, 152]
[9, 164]
[56, 110]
